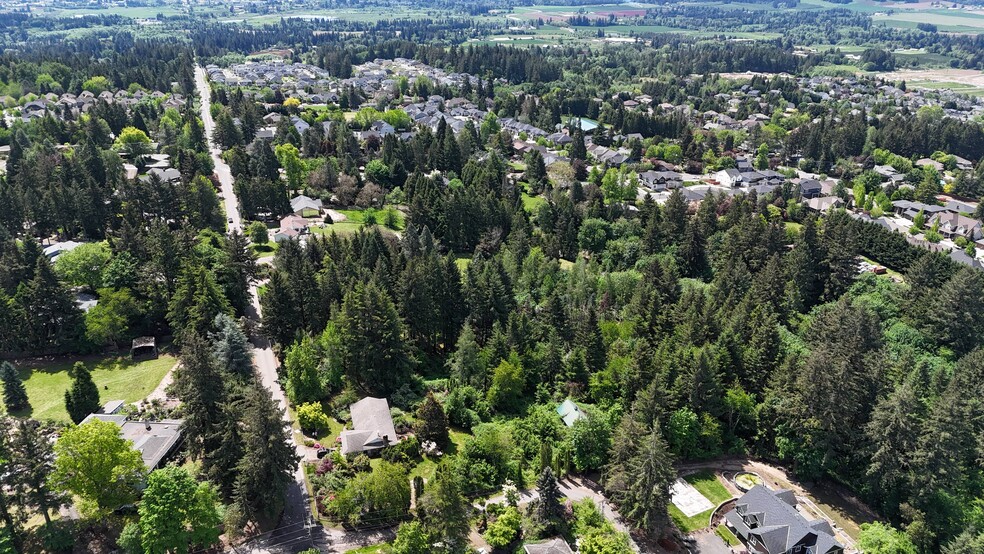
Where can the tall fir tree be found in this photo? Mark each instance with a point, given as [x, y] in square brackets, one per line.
[14, 394]
[82, 398]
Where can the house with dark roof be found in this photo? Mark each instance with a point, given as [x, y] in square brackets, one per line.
[372, 427]
[155, 440]
[768, 523]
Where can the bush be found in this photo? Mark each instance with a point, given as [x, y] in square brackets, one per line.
[505, 529]
[311, 416]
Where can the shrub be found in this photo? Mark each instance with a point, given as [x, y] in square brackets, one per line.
[505, 529]
[311, 416]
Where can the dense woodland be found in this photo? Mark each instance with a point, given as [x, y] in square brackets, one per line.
[739, 326]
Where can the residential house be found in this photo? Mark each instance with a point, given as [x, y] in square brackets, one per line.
[155, 440]
[810, 188]
[890, 173]
[661, 180]
[768, 523]
[305, 206]
[953, 225]
[570, 412]
[552, 546]
[291, 227]
[372, 427]
[926, 162]
[728, 177]
[909, 209]
[824, 204]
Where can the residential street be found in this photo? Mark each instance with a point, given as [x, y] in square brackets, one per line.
[222, 171]
[296, 531]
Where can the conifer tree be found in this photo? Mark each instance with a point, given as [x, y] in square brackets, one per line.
[444, 509]
[82, 398]
[14, 394]
[548, 506]
[432, 422]
[201, 388]
[232, 349]
[33, 455]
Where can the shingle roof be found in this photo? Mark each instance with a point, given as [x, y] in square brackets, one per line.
[772, 520]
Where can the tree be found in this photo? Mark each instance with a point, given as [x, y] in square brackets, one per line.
[197, 301]
[258, 233]
[412, 538]
[762, 157]
[311, 417]
[96, 464]
[590, 439]
[231, 347]
[432, 422]
[14, 394]
[371, 333]
[82, 397]
[109, 321]
[508, 382]
[549, 509]
[444, 509]
[266, 469]
[9, 497]
[33, 456]
[176, 512]
[302, 365]
[880, 538]
[133, 142]
[383, 494]
[201, 388]
[505, 529]
[956, 315]
[290, 160]
[640, 476]
[83, 265]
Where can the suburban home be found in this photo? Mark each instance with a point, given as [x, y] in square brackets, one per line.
[810, 188]
[59, 248]
[372, 427]
[661, 180]
[889, 173]
[570, 413]
[305, 206]
[552, 546]
[728, 177]
[768, 523]
[909, 209]
[953, 225]
[155, 440]
[824, 204]
[291, 227]
[928, 162]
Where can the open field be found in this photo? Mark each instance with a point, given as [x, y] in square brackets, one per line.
[966, 81]
[117, 377]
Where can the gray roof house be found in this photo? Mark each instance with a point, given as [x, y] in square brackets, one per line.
[155, 440]
[768, 522]
[552, 546]
[372, 427]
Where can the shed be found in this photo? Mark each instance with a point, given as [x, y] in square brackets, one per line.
[143, 347]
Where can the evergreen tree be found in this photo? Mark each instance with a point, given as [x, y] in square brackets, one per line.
[374, 355]
[33, 456]
[9, 497]
[82, 397]
[196, 303]
[266, 469]
[444, 509]
[643, 475]
[232, 349]
[14, 394]
[199, 384]
[549, 509]
[432, 422]
[956, 314]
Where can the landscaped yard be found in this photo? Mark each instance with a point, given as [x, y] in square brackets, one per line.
[117, 377]
[384, 548]
[355, 220]
[708, 485]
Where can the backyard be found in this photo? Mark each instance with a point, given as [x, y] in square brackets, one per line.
[117, 377]
[708, 485]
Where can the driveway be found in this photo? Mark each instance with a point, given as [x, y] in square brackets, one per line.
[710, 543]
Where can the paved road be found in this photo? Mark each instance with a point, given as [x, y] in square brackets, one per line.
[296, 531]
[222, 171]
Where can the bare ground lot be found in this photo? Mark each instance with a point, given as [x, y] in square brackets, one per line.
[967, 77]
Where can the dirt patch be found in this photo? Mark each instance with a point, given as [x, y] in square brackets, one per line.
[963, 76]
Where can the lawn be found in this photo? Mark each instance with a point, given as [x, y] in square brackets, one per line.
[117, 377]
[727, 536]
[355, 220]
[384, 548]
[427, 467]
[532, 203]
[708, 485]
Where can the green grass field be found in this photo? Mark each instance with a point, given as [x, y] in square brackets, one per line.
[117, 377]
[385, 548]
[532, 203]
[707, 484]
[355, 220]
